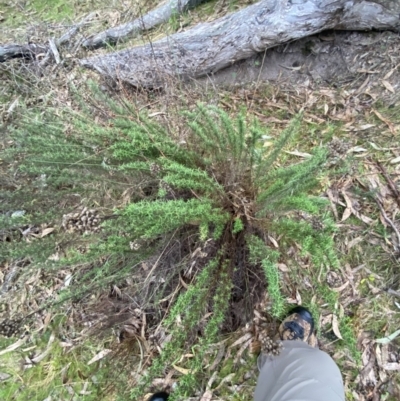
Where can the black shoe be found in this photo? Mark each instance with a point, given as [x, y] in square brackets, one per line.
[160, 396]
[298, 325]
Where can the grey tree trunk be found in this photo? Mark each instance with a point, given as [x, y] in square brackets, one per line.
[209, 47]
[150, 20]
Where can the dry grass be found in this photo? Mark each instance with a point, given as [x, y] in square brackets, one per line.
[362, 115]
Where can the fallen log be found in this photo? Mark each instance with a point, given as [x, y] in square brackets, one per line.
[34, 51]
[30, 51]
[148, 21]
[209, 47]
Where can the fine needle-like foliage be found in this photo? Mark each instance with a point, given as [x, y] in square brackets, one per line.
[209, 196]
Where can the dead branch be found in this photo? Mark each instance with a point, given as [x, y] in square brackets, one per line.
[74, 30]
[390, 222]
[30, 51]
[143, 23]
[392, 186]
[209, 47]
[33, 51]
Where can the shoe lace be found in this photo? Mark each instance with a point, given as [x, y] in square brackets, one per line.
[296, 331]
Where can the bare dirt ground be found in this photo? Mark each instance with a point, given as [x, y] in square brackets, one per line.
[333, 58]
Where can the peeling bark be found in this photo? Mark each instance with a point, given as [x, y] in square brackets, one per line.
[209, 47]
[150, 20]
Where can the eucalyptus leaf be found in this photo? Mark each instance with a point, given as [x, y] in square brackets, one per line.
[388, 339]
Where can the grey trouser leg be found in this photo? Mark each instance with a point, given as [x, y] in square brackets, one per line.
[299, 373]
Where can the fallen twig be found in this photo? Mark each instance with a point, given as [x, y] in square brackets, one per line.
[54, 50]
[143, 23]
[390, 222]
[74, 30]
[32, 51]
[54, 44]
[392, 186]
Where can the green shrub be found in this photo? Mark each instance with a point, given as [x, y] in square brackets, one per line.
[210, 186]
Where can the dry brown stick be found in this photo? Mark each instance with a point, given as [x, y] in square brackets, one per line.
[390, 222]
[392, 186]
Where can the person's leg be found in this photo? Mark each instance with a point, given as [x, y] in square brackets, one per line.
[301, 372]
